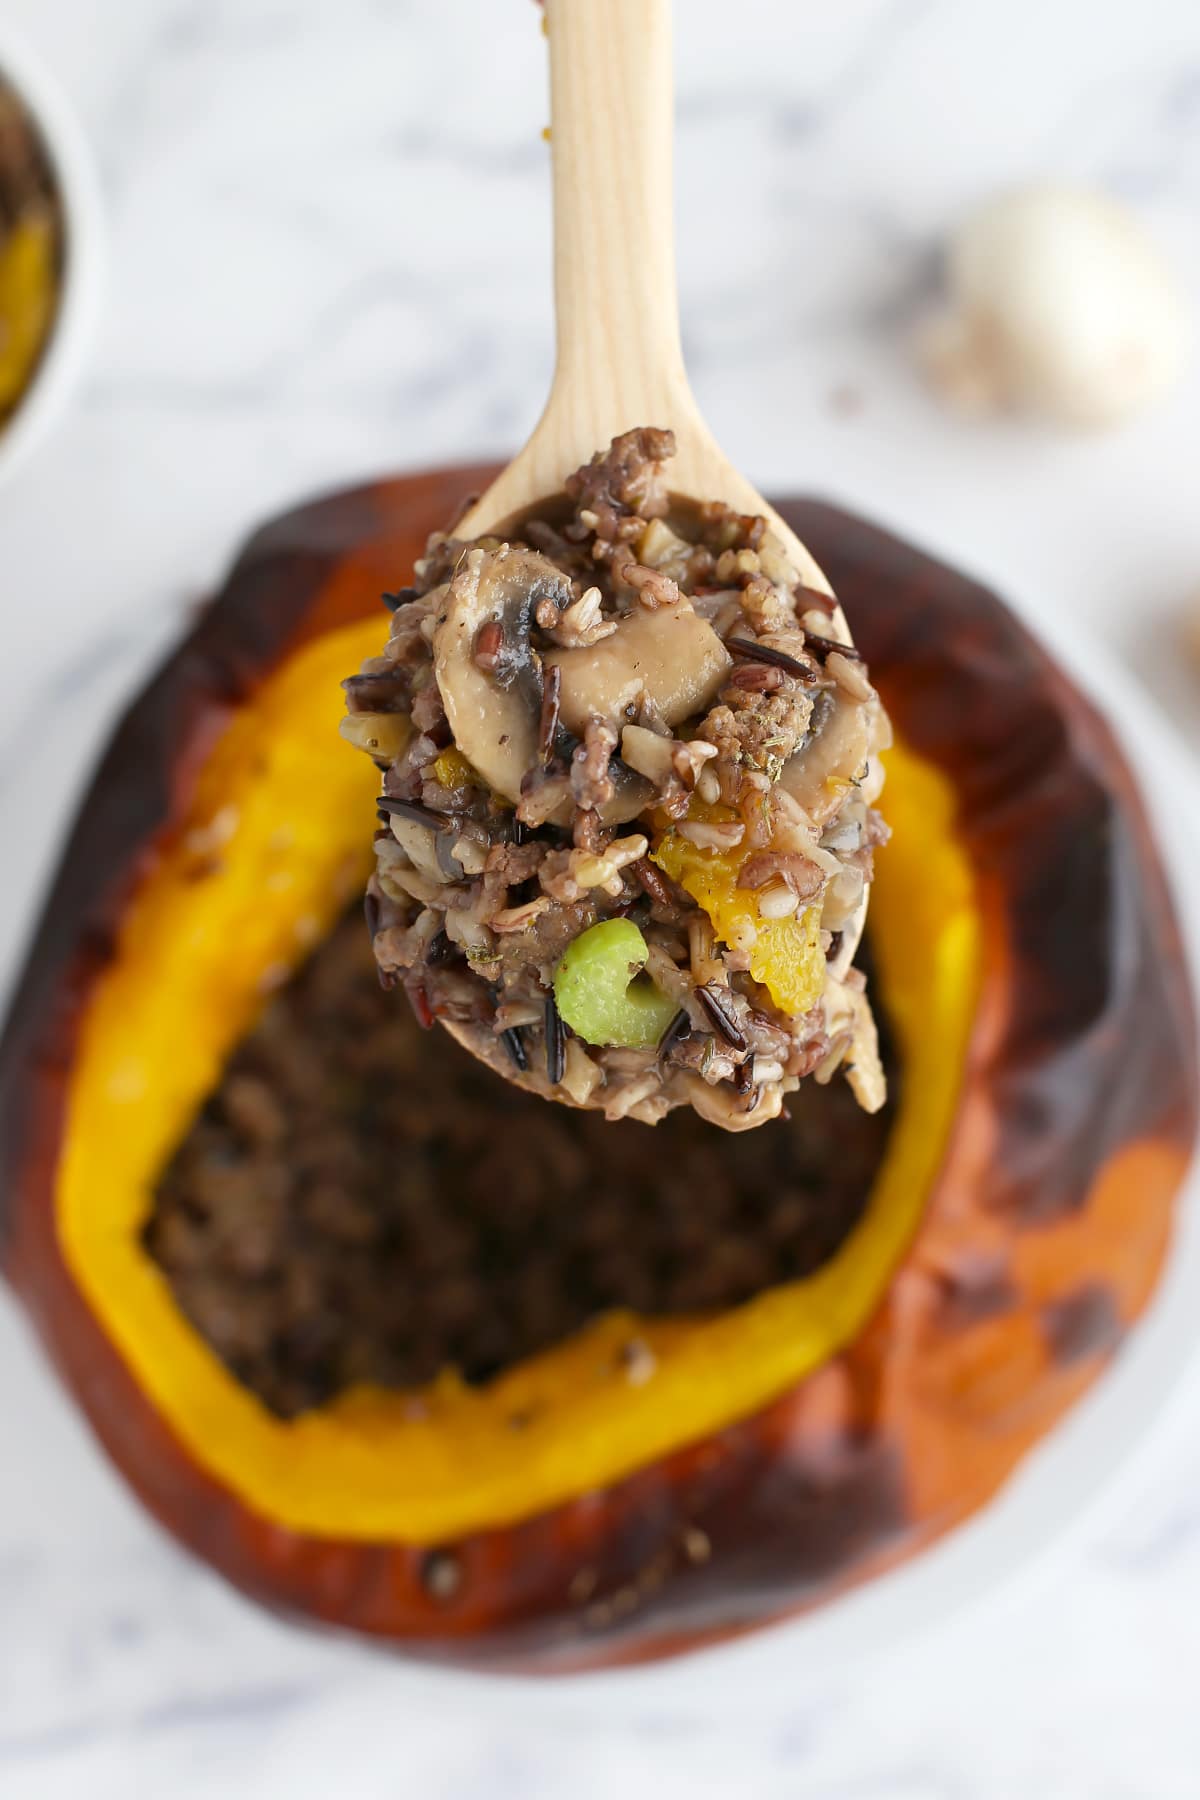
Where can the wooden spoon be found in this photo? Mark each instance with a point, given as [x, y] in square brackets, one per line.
[619, 357]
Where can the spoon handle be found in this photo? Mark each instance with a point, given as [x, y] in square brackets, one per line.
[620, 360]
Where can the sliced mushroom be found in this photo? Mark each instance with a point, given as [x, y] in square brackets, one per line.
[669, 660]
[835, 753]
[419, 844]
[723, 1106]
[494, 711]
[848, 1017]
[842, 748]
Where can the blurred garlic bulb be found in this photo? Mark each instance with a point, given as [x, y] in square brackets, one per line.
[1059, 305]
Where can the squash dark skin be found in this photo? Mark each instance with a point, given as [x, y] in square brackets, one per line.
[1072, 1133]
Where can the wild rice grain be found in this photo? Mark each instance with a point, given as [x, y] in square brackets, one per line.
[813, 600]
[749, 650]
[652, 881]
[822, 646]
[514, 1043]
[556, 1043]
[717, 1007]
[384, 691]
[677, 1032]
[448, 863]
[371, 914]
[548, 725]
[757, 678]
[489, 645]
[412, 810]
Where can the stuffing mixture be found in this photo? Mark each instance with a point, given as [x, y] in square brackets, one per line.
[361, 1202]
[627, 816]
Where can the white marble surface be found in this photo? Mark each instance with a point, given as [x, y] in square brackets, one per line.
[294, 302]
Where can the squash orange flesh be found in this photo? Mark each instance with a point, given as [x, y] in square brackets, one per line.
[786, 956]
[277, 839]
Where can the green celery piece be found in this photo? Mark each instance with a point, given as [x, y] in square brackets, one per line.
[601, 993]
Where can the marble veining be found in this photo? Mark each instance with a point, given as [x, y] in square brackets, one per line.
[329, 256]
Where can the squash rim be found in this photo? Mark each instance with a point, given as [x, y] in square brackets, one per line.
[332, 1472]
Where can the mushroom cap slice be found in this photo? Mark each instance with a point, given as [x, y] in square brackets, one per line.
[667, 658]
[494, 714]
[816, 776]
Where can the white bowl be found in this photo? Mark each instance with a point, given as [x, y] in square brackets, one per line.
[79, 197]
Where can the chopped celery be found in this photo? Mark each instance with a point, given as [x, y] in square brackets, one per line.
[601, 993]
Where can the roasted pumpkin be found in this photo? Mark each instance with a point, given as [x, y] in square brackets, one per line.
[1029, 962]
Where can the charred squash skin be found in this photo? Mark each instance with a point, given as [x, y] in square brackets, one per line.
[1041, 1239]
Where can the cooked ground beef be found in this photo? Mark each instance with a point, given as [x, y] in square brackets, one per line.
[628, 710]
[362, 1202]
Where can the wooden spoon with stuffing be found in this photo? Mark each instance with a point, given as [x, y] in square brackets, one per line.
[619, 354]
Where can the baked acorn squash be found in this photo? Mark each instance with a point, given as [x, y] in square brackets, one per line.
[561, 1515]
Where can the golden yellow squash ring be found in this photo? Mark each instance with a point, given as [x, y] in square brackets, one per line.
[273, 849]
